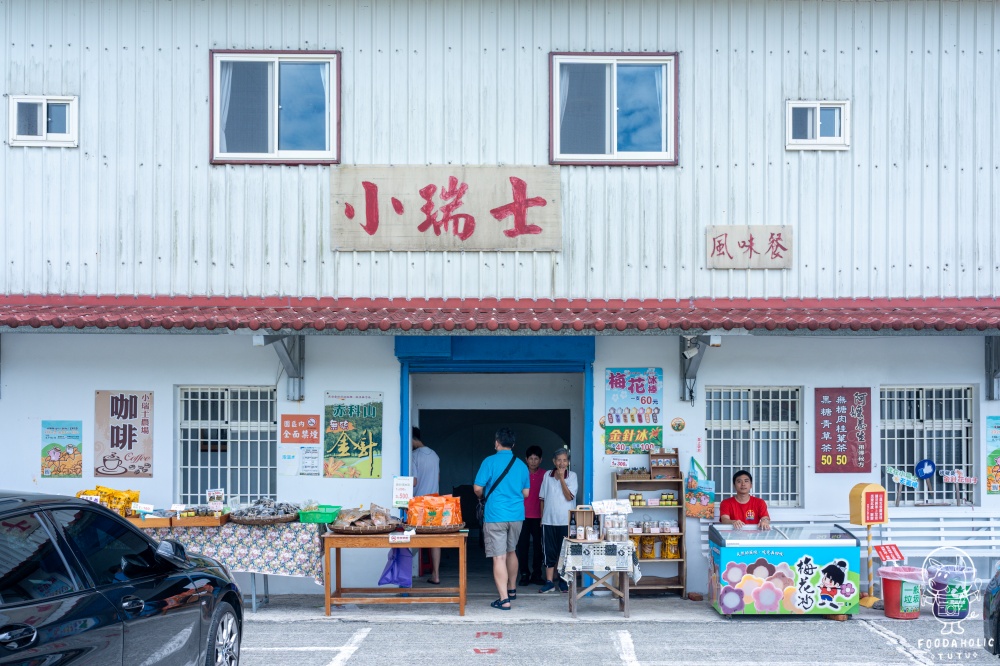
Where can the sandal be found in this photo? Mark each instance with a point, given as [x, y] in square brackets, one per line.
[511, 595]
[499, 604]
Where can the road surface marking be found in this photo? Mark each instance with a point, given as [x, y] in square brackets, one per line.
[344, 652]
[916, 656]
[626, 648]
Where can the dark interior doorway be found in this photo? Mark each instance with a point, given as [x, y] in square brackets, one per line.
[463, 438]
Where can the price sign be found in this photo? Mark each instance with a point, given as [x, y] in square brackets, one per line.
[93, 498]
[399, 537]
[142, 508]
[619, 463]
[402, 491]
[216, 498]
[178, 507]
[889, 553]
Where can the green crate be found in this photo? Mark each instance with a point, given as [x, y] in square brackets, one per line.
[325, 514]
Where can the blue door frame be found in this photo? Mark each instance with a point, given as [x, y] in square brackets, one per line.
[469, 355]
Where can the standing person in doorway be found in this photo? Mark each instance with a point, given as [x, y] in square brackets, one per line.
[531, 532]
[558, 496]
[502, 482]
[425, 468]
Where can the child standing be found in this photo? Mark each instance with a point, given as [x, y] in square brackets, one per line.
[558, 495]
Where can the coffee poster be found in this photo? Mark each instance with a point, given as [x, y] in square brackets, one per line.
[123, 434]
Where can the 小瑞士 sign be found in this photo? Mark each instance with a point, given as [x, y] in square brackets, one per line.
[902, 478]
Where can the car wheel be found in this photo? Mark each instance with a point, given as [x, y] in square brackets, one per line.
[224, 638]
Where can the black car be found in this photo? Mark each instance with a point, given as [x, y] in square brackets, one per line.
[991, 614]
[81, 585]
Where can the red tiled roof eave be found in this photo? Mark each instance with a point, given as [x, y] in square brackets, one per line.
[274, 315]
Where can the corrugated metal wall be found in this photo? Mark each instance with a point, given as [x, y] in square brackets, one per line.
[911, 210]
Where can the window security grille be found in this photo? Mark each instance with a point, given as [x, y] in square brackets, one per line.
[928, 422]
[755, 428]
[228, 438]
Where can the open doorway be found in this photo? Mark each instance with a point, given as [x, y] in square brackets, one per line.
[458, 415]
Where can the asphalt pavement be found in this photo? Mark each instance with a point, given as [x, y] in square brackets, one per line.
[662, 630]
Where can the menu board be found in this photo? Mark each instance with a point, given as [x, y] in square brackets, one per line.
[843, 427]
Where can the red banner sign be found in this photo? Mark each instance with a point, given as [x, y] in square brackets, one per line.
[889, 553]
[843, 424]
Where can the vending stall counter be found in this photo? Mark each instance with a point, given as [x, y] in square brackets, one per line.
[790, 569]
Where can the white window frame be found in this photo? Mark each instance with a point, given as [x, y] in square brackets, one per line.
[761, 440]
[70, 139]
[613, 157]
[227, 437]
[932, 438]
[842, 142]
[329, 156]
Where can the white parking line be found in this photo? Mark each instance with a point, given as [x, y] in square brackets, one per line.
[915, 655]
[626, 648]
[344, 652]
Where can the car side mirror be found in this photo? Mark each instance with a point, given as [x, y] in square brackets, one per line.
[134, 566]
[172, 550]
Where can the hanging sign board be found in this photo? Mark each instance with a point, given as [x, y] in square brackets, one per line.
[868, 502]
[843, 416]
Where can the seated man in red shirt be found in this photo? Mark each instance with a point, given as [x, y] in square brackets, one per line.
[744, 509]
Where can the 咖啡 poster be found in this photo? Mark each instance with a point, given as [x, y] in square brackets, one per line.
[62, 456]
[123, 434]
[352, 435]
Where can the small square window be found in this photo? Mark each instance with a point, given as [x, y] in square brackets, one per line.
[818, 125]
[614, 108]
[43, 120]
[275, 107]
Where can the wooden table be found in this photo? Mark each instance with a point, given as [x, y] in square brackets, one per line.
[611, 565]
[380, 595]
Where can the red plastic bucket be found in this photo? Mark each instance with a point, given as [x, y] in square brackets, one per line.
[901, 591]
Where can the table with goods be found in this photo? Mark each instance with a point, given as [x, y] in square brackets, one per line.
[432, 522]
[790, 569]
[263, 537]
[599, 546]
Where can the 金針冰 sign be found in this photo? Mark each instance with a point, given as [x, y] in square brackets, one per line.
[843, 418]
[633, 398]
[438, 208]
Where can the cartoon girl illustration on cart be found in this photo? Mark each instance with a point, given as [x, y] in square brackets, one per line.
[834, 575]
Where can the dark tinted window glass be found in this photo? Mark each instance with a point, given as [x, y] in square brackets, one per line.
[247, 118]
[584, 104]
[102, 541]
[30, 566]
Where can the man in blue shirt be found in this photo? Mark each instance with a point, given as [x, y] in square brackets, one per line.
[504, 512]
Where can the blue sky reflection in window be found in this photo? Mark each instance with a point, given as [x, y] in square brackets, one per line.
[302, 111]
[640, 108]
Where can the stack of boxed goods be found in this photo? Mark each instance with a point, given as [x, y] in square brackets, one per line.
[119, 501]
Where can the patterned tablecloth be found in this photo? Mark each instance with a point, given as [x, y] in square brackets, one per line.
[598, 557]
[286, 549]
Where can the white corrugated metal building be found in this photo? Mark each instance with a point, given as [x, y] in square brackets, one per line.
[145, 240]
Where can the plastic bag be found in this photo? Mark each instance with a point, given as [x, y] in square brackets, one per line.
[398, 568]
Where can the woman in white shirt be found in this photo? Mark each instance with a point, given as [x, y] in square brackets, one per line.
[558, 495]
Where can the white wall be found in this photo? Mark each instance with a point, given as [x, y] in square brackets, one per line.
[137, 209]
[54, 376]
[809, 363]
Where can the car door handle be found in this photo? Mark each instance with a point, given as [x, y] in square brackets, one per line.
[17, 636]
[132, 604]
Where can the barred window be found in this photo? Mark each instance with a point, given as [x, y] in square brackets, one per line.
[927, 423]
[229, 440]
[755, 428]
